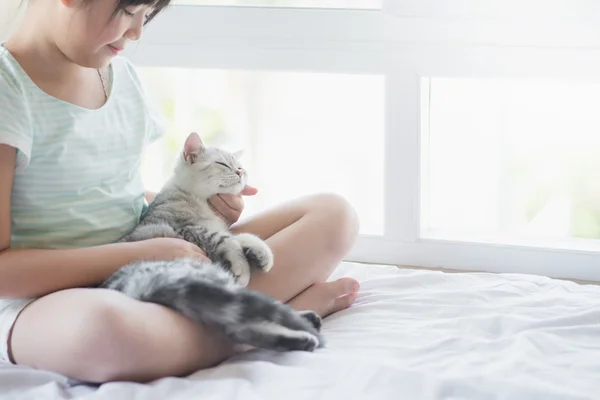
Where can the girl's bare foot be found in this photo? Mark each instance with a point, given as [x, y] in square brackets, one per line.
[328, 297]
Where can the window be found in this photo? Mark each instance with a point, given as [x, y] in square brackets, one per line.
[512, 160]
[289, 3]
[295, 142]
[477, 132]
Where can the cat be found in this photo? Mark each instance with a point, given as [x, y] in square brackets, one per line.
[181, 210]
[212, 293]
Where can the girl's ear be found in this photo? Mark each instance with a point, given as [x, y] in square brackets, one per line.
[193, 148]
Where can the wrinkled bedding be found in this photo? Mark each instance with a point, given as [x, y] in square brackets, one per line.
[411, 335]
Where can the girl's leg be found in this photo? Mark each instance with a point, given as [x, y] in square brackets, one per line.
[97, 335]
[309, 237]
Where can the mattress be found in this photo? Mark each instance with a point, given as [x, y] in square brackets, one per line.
[411, 334]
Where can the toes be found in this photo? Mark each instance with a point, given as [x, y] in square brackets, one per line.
[328, 297]
[341, 303]
[345, 286]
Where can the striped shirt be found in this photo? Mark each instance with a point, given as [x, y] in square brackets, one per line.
[77, 179]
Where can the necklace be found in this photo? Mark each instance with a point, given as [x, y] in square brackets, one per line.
[104, 80]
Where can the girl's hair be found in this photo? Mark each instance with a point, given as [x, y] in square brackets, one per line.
[159, 5]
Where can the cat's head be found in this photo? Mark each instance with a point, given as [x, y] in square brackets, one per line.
[207, 171]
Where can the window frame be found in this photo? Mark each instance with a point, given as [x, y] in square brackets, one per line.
[404, 41]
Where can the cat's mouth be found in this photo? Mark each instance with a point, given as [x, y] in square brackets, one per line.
[231, 182]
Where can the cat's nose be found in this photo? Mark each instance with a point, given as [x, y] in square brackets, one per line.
[239, 172]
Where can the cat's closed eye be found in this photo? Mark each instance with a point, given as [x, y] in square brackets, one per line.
[223, 164]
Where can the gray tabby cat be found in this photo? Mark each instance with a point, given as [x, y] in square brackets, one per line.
[212, 294]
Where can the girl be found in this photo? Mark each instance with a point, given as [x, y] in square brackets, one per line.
[74, 120]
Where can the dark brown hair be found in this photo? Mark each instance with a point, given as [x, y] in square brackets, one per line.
[158, 5]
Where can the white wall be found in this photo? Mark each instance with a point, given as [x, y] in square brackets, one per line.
[9, 15]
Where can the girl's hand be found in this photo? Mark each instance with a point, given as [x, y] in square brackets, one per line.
[167, 249]
[230, 207]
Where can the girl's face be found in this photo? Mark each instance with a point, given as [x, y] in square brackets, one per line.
[90, 33]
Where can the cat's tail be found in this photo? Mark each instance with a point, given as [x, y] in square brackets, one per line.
[245, 316]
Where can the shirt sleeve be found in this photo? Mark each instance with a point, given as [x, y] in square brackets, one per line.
[157, 125]
[15, 121]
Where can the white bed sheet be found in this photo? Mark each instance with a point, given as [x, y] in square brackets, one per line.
[410, 335]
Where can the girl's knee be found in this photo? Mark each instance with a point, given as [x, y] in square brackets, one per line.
[119, 339]
[82, 334]
[100, 341]
[104, 342]
[339, 220]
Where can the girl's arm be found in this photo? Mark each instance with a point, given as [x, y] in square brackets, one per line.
[33, 273]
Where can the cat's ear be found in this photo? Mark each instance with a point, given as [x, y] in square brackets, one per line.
[238, 154]
[193, 148]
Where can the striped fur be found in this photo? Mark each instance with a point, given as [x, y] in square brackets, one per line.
[209, 295]
[214, 293]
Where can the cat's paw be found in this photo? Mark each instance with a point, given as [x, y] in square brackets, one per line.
[313, 318]
[243, 277]
[297, 341]
[231, 257]
[256, 251]
[239, 268]
[306, 343]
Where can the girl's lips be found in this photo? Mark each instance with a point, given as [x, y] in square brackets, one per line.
[114, 49]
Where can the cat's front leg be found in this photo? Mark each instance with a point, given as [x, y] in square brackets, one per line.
[222, 249]
[257, 252]
[230, 255]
